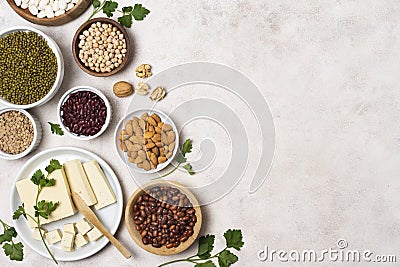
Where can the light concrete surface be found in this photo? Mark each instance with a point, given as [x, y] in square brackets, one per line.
[330, 72]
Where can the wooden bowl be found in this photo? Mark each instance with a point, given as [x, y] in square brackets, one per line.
[71, 14]
[75, 48]
[130, 224]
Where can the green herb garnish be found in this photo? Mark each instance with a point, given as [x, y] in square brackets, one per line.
[181, 158]
[13, 250]
[203, 258]
[128, 13]
[42, 208]
[56, 129]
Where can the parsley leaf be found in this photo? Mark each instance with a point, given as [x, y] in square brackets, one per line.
[127, 9]
[14, 251]
[8, 235]
[208, 263]
[234, 239]
[125, 20]
[54, 165]
[140, 12]
[206, 245]
[37, 176]
[17, 213]
[109, 8]
[55, 128]
[96, 3]
[226, 258]
[186, 147]
[44, 208]
[188, 167]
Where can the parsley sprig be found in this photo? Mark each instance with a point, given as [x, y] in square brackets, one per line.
[42, 208]
[55, 128]
[13, 250]
[203, 258]
[128, 13]
[181, 158]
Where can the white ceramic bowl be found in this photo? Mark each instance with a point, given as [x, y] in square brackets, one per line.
[37, 135]
[97, 92]
[60, 67]
[137, 113]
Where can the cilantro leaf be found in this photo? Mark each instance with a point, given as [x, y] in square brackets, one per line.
[109, 7]
[180, 158]
[208, 263]
[139, 12]
[14, 251]
[55, 128]
[18, 212]
[96, 3]
[186, 147]
[226, 258]
[37, 177]
[127, 9]
[44, 208]
[8, 235]
[54, 165]
[206, 245]
[234, 239]
[188, 167]
[125, 20]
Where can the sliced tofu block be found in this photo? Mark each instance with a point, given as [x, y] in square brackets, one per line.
[78, 181]
[84, 227]
[94, 234]
[60, 192]
[81, 240]
[69, 228]
[100, 185]
[36, 234]
[67, 241]
[53, 236]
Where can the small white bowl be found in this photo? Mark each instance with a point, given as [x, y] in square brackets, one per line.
[97, 92]
[60, 67]
[37, 135]
[137, 113]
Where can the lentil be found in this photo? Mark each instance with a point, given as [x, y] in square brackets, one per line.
[16, 132]
[28, 67]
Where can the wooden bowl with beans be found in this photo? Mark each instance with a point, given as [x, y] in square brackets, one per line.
[163, 217]
[101, 47]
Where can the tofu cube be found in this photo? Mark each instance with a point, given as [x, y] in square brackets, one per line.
[69, 228]
[83, 227]
[67, 241]
[81, 240]
[36, 234]
[94, 234]
[53, 236]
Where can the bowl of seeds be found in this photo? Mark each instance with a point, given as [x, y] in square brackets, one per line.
[20, 133]
[101, 47]
[146, 140]
[163, 217]
[31, 67]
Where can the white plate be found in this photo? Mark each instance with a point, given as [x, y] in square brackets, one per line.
[138, 113]
[110, 216]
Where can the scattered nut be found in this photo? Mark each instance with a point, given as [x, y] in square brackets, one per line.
[143, 71]
[143, 89]
[122, 89]
[158, 94]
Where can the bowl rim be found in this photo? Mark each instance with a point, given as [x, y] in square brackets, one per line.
[120, 125]
[60, 67]
[84, 88]
[7, 156]
[75, 48]
[135, 235]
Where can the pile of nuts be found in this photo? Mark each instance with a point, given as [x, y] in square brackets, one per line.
[46, 8]
[164, 216]
[84, 113]
[102, 47]
[16, 132]
[147, 141]
[143, 71]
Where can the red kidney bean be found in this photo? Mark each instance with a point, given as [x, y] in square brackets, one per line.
[84, 113]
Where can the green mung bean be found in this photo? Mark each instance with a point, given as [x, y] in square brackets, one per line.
[28, 67]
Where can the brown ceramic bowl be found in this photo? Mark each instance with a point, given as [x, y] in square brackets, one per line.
[72, 14]
[130, 224]
[75, 48]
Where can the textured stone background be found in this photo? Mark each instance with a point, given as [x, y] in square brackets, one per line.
[330, 71]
